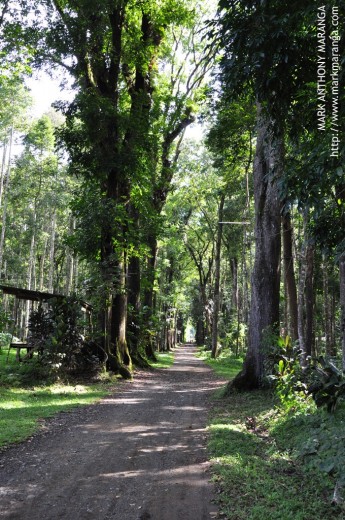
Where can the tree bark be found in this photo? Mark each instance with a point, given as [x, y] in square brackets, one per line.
[290, 279]
[148, 300]
[301, 294]
[235, 301]
[342, 305]
[6, 181]
[309, 300]
[327, 308]
[52, 253]
[264, 313]
[135, 335]
[216, 293]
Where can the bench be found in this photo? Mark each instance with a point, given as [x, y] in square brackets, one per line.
[19, 345]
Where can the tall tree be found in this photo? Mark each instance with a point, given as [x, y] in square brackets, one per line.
[262, 43]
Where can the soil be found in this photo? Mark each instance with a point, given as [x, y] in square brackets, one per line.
[139, 454]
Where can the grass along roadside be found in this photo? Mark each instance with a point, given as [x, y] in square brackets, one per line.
[22, 409]
[225, 365]
[26, 397]
[271, 464]
[24, 402]
[164, 359]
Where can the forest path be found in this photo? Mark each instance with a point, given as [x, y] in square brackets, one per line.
[137, 455]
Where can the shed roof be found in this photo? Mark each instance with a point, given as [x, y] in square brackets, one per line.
[38, 296]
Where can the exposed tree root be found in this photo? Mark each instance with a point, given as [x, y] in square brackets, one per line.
[245, 381]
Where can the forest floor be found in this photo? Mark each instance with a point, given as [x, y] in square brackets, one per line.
[139, 454]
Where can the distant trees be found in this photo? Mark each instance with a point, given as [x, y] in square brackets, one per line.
[138, 71]
[157, 231]
[270, 52]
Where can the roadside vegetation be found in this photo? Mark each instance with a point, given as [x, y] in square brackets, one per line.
[26, 398]
[29, 394]
[274, 461]
[164, 359]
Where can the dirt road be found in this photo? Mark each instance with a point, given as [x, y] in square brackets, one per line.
[138, 455]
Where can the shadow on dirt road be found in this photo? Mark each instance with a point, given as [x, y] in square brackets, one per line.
[138, 455]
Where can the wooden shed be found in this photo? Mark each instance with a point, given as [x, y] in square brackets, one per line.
[29, 295]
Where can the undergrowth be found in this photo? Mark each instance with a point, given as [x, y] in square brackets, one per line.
[27, 396]
[225, 365]
[273, 463]
[164, 359]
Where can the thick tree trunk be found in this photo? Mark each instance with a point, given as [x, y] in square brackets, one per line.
[114, 267]
[290, 280]
[264, 313]
[216, 293]
[119, 356]
[200, 332]
[134, 326]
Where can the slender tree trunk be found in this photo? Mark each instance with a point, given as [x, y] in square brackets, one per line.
[6, 181]
[235, 304]
[4, 168]
[75, 274]
[301, 293]
[41, 261]
[327, 308]
[264, 313]
[309, 299]
[148, 299]
[342, 305]
[69, 277]
[51, 254]
[289, 272]
[216, 295]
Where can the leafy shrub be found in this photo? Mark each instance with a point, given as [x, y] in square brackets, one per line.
[56, 334]
[65, 340]
[286, 373]
[5, 319]
[328, 385]
[5, 339]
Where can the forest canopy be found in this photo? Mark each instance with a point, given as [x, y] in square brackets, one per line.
[233, 238]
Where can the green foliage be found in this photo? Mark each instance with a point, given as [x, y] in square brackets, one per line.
[328, 385]
[5, 319]
[14, 102]
[316, 440]
[5, 338]
[263, 49]
[324, 449]
[164, 360]
[22, 409]
[56, 334]
[286, 373]
[255, 473]
[225, 365]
